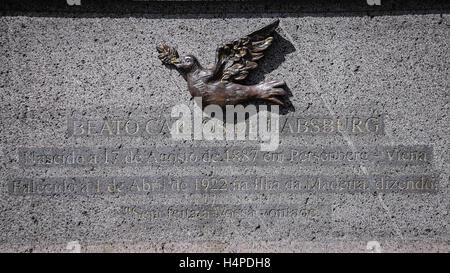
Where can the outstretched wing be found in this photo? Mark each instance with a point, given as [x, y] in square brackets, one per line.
[235, 59]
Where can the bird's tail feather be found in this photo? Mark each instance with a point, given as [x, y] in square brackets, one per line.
[269, 90]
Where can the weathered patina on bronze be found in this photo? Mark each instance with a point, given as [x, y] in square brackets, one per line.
[217, 84]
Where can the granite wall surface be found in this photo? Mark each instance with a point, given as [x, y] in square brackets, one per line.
[99, 63]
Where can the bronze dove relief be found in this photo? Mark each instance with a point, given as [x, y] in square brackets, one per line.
[218, 84]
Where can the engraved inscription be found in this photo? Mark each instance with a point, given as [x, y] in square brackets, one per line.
[420, 183]
[190, 156]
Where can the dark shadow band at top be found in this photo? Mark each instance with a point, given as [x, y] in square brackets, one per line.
[212, 8]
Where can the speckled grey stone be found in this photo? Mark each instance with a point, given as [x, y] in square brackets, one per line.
[56, 67]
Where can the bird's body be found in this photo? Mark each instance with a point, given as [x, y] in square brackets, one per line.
[229, 93]
[233, 61]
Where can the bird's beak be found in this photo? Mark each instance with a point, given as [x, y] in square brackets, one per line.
[176, 62]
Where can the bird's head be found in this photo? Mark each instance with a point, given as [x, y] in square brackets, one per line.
[169, 55]
[187, 63]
